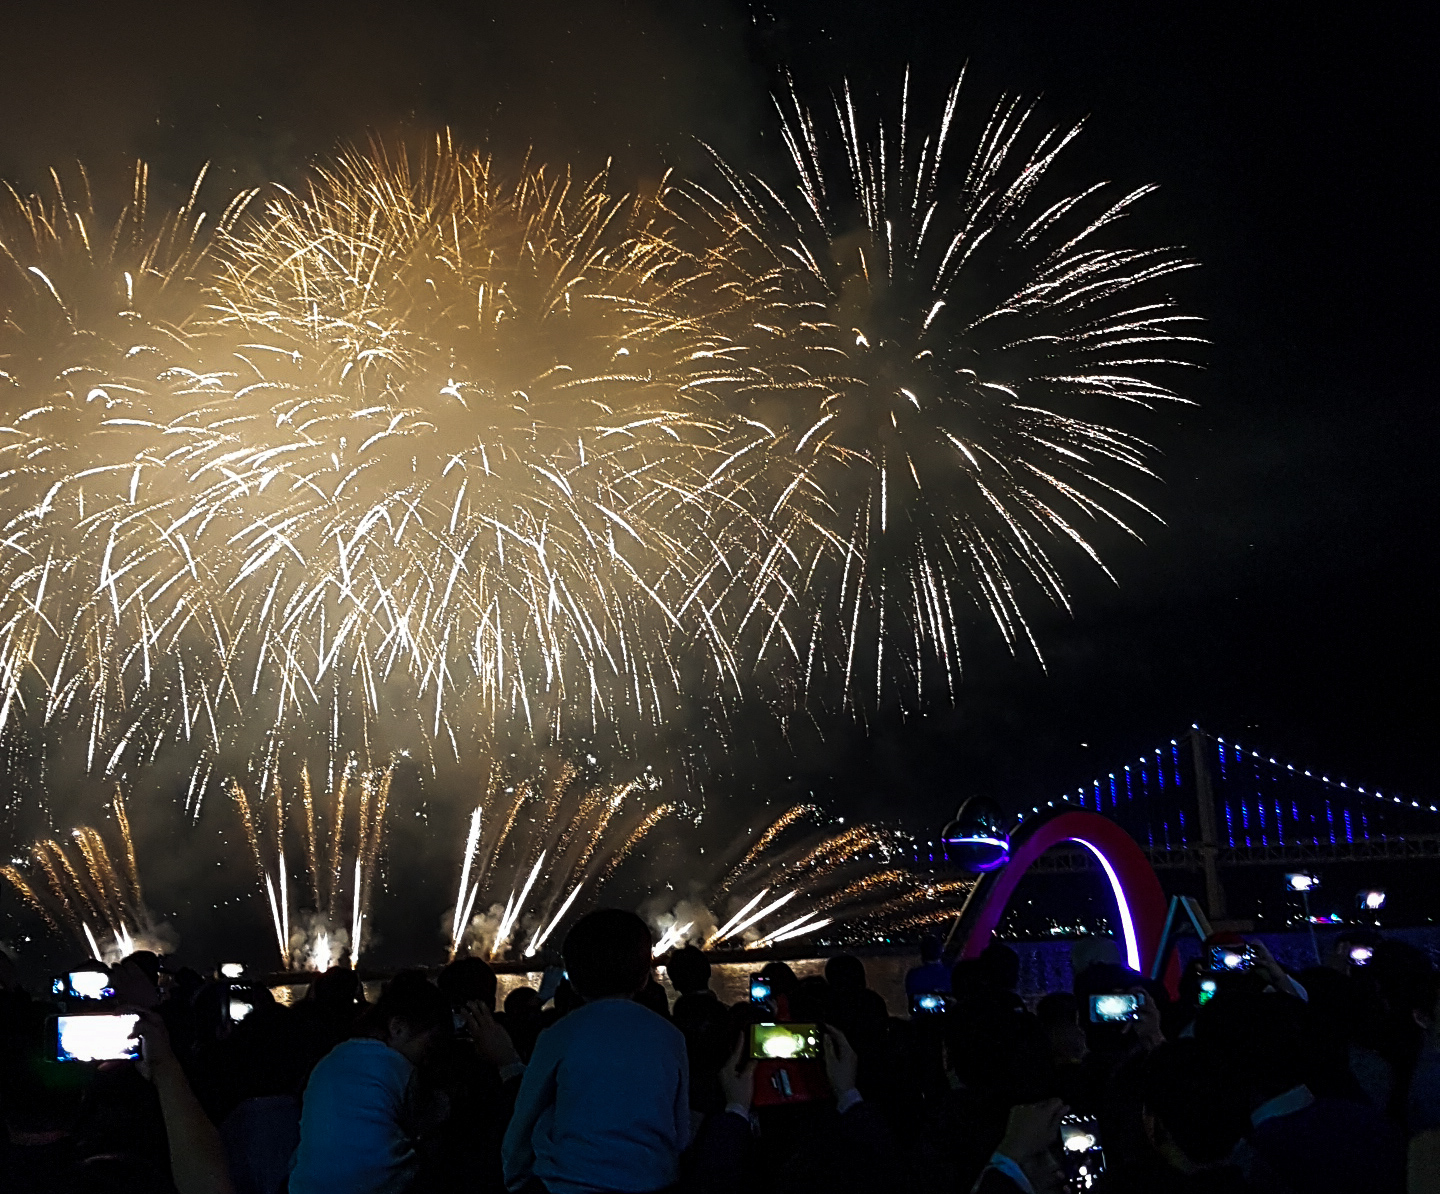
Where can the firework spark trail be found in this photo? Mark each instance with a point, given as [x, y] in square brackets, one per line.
[764, 841]
[40, 852]
[312, 858]
[724, 930]
[105, 873]
[755, 917]
[95, 951]
[843, 878]
[96, 869]
[17, 881]
[332, 872]
[539, 943]
[132, 867]
[670, 938]
[637, 835]
[247, 819]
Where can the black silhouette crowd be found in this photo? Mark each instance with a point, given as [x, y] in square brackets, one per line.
[1252, 1079]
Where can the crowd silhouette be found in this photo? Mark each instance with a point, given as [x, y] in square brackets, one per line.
[1252, 1079]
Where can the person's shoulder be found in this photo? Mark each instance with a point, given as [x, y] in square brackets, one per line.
[633, 1017]
[362, 1054]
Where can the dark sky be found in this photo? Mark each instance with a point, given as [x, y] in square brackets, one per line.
[1290, 598]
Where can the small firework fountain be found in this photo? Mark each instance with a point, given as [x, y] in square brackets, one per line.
[318, 937]
[91, 892]
[543, 843]
[847, 881]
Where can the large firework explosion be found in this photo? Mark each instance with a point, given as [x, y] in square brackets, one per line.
[429, 452]
[940, 353]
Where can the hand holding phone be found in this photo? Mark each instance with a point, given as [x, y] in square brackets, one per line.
[1031, 1132]
[841, 1063]
[737, 1078]
[791, 1067]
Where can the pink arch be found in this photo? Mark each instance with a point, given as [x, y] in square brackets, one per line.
[1138, 894]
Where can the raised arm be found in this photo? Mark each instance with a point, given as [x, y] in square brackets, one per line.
[197, 1157]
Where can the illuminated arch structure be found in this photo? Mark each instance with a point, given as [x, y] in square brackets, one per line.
[1139, 898]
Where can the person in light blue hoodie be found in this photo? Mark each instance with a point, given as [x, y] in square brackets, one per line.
[603, 1107]
[355, 1133]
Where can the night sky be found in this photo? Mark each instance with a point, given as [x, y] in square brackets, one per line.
[1289, 600]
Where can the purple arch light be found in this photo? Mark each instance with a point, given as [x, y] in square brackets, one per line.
[1139, 898]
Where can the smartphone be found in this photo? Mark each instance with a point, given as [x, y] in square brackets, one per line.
[1360, 955]
[84, 984]
[929, 1004]
[96, 1037]
[784, 1042]
[1107, 1009]
[232, 969]
[1207, 990]
[239, 1008]
[760, 989]
[1232, 957]
[1082, 1158]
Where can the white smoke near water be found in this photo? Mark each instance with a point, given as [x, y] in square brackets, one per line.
[160, 939]
[677, 923]
[317, 943]
[478, 937]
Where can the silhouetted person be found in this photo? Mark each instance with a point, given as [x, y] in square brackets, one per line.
[932, 974]
[604, 1102]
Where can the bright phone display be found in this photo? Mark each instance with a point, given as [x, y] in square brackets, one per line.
[96, 1038]
[784, 1042]
[1106, 1009]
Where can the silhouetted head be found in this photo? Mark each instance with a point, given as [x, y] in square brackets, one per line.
[781, 978]
[523, 1003]
[652, 995]
[149, 964]
[689, 970]
[337, 989]
[469, 979]
[411, 1014]
[607, 954]
[845, 973]
[1001, 966]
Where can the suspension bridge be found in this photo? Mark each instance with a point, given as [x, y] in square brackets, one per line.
[1208, 804]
